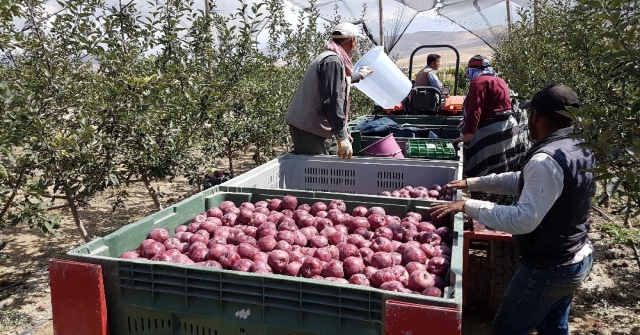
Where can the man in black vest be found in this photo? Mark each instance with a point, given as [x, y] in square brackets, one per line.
[549, 223]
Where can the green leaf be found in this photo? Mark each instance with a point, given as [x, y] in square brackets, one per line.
[597, 170]
[606, 135]
[630, 176]
[3, 172]
[604, 177]
[635, 108]
[612, 186]
[568, 114]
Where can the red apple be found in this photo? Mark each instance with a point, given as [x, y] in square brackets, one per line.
[278, 260]
[242, 265]
[353, 265]
[359, 279]
[420, 280]
[333, 268]
[382, 260]
[311, 267]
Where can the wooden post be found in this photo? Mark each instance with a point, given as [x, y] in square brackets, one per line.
[207, 8]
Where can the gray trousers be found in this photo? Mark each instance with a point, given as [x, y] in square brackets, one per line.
[306, 143]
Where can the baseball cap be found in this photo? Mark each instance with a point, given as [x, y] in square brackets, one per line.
[554, 97]
[479, 62]
[345, 30]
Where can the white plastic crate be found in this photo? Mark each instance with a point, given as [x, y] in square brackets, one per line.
[358, 175]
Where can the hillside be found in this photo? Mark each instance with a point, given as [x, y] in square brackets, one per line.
[466, 43]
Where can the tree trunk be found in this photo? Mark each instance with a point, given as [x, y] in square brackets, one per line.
[76, 218]
[230, 156]
[13, 194]
[152, 192]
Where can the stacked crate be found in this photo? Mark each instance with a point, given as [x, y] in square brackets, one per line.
[149, 297]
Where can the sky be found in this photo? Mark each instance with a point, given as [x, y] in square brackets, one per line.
[424, 21]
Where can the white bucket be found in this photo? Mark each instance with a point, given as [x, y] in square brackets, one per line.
[387, 86]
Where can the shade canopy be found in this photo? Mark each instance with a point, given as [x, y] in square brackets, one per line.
[471, 15]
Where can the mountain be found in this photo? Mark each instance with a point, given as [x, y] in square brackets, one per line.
[466, 43]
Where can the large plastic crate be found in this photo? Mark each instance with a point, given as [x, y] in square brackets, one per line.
[149, 297]
[358, 175]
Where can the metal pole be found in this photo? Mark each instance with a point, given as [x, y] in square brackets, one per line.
[535, 16]
[381, 24]
[508, 16]
[206, 8]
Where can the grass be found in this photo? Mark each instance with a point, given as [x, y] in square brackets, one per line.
[13, 318]
[621, 234]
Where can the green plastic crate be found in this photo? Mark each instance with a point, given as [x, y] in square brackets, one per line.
[430, 148]
[148, 297]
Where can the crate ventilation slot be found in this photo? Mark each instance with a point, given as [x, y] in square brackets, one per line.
[327, 190]
[147, 325]
[330, 177]
[191, 328]
[390, 181]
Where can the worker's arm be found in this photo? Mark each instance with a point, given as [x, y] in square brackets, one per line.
[333, 92]
[543, 184]
[434, 80]
[503, 183]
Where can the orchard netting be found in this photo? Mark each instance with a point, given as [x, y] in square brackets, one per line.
[471, 15]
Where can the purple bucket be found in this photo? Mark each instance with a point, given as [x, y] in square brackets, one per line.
[384, 147]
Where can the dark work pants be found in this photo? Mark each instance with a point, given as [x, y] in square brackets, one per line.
[306, 143]
[539, 297]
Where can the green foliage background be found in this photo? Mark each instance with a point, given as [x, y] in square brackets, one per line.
[95, 96]
[593, 47]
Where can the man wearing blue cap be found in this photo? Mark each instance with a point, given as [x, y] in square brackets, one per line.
[549, 223]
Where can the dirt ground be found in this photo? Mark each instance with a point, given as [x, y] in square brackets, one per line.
[608, 303]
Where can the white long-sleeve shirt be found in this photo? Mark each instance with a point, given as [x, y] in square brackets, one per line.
[543, 184]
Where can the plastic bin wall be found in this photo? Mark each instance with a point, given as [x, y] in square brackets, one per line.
[358, 175]
[148, 297]
[436, 120]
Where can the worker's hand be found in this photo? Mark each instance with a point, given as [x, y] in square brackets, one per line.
[350, 138]
[441, 210]
[345, 150]
[364, 72]
[456, 184]
[464, 139]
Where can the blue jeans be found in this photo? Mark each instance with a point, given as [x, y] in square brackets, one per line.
[539, 297]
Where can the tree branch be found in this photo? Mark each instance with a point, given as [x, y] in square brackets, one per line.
[14, 192]
[57, 207]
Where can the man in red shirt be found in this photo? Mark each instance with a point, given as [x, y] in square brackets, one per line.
[491, 130]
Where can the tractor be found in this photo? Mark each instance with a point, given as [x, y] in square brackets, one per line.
[428, 100]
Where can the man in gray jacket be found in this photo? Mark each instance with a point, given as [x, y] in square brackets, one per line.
[320, 107]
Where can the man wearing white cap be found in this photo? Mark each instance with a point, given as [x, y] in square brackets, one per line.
[320, 107]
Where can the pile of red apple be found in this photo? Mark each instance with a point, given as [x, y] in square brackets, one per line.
[366, 247]
[421, 192]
